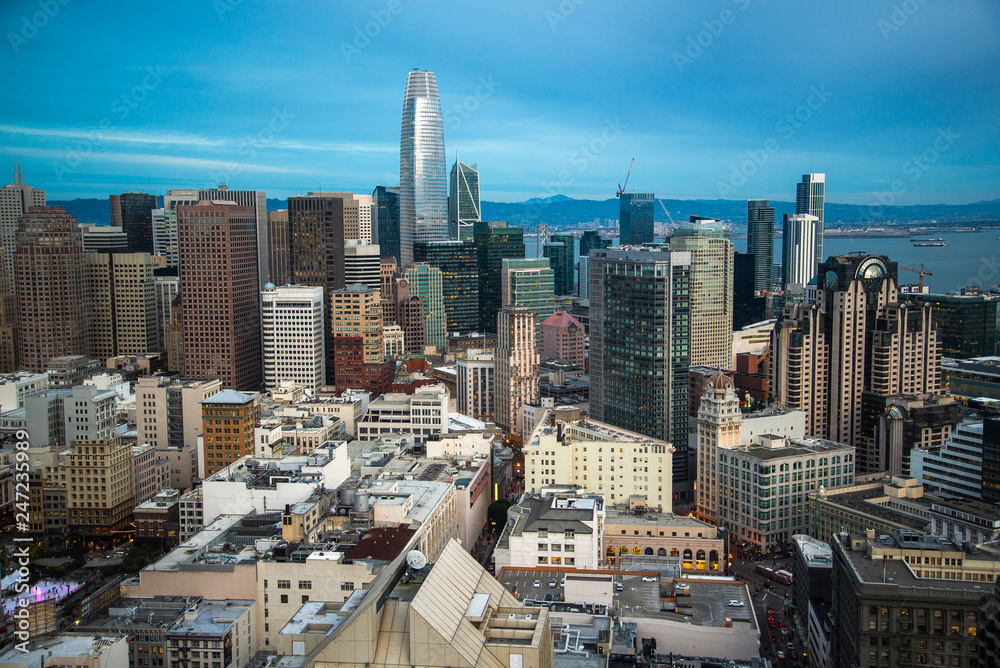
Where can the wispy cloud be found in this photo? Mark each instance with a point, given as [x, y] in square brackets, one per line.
[163, 138]
[150, 159]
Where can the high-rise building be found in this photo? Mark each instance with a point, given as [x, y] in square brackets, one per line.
[459, 267]
[810, 197]
[164, 237]
[257, 200]
[749, 306]
[635, 218]
[560, 250]
[361, 228]
[495, 242]
[639, 345]
[362, 264]
[590, 240]
[563, 338]
[166, 284]
[15, 200]
[516, 366]
[219, 288]
[463, 201]
[387, 274]
[122, 304]
[133, 212]
[529, 283]
[356, 349]
[408, 312]
[280, 247]
[798, 262]
[100, 513]
[239, 412]
[168, 232]
[476, 385]
[711, 286]
[49, 280]
[423, 181]
[386, 223]
[427, 283]
[293, 322]
[966, 324]
[760, 240]
[104, 239]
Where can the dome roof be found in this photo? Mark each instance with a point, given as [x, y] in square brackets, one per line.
[720, 382]
[270, 287]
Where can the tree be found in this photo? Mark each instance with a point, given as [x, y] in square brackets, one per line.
[5, 556]
[39, 548]
[138, 557]
[497, 514]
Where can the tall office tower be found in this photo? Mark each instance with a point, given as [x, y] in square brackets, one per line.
[356, 347]
[719, 427]
[133, 212]
[171, 200]
[991, 460]
[463, 201]
[475, 385]
[15, 200]
[122, 304]
[365, 232]
[257, 200]
[423, 181]
[798, 264]
[810, 197]
[386, 223]
[529, 283]
[966, 324]
[640, 325]
[293, 321]
[749, 306]
[239, 412]
[174, 335]
[100, 513]
[164, 237]
[387, 274]
[219, 289]
[427, 282]
[711, 284]
[563, 338]
[495, 242]
[103, 239]
[362, 264]
[8, 323]
[166, 284]
[635, 218]
[560, 250]
[760, 240]
[49, 280]
[407, 311]
[516, 366]
[460, 276]
[280, 247]
[584, 277]
[590, 240]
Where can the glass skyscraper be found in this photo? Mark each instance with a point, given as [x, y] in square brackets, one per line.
[460, 275]
[387, 220]
[423, 185]
[810, 196]
[635, 219]
[495, 241]
[760, 241]
[463, 202]
[560, 251]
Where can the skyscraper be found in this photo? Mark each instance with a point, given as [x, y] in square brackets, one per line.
[166, 230]
[495, 241]
[475, 391]
[49, 280]
[639, 356]
[516, 366]
[356, 348]
[362, 264]
[426, 282]
[279, 247]
[387, 221]
[220, 293]
[122, 304]
[460, 276]
[463, 200]
[635, 219]
[810, 197]
[257, 199]
[711, 285]
[293, 318]
[760, 240]
[798, 262]
[560, 250]
[15, 200]
[423, 181]
[590, 240]
[133, 212]
[748, 306]
[529, 283]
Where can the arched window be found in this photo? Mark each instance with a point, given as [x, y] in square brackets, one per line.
[636, 550]
[648, 551]
[662, 552]
[674, 552]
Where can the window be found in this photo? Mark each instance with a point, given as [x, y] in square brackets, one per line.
[284, 598]
[284, 584]
[305, 584]
[346, 586]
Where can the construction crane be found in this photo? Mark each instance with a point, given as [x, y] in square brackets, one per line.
[621, 186]
[922, 271]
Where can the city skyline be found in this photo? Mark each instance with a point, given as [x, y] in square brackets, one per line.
[549, 121]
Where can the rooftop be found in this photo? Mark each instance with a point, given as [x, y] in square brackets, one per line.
[210, 618]
[860, 498]
[382, 544]
[815, 552]
[314, 617]
[228, 396]
[63, 645]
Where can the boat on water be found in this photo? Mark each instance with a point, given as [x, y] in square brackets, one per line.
[930, 243]
[929, 239]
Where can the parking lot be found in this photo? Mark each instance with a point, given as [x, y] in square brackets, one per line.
[521, 581]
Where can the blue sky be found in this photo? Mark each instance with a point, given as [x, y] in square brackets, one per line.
[726, 99]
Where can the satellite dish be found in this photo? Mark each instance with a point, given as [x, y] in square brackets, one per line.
[415, 559]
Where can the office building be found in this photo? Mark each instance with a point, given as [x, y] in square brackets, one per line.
[991, 460]
[423, 414]
[894, 425]
[590, 240]
[50, 285]
[104, 239]
[15, 200]
[133, 213]
[495, 242]
[463, 201]
[810, 197]
[88, 414]
[561, 529]
[257, 200]
[798, 264]
[358, 214]
[560, 249]
[749, 306]
[475, 385]
[459, 268]
[164, 237]
[280, 247]
[15, 386]
[220, 292]
[387, 274]
[386, 201]
[423, 181]
[407, 311]
[362, 264]
[357, 352]
[166, 285]
[516, 366]
[100, 513]
[639, 337]
[168, 410]
[8, 321]
[293, 317]
[563, 338]
[711, 289]
[635, 218]
[956, 468]
[427, 283]
[68, 371]
[167, 233]
[760, 240]
[529, 283]
[239, 412]
[393, 340]
[966, 324]
[213, 629]
[122, 304]
[989, 627]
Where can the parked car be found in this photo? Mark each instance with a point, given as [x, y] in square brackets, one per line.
[537, 584]
[548, 597]
[619, 586]
[552, 583]
[650, 578]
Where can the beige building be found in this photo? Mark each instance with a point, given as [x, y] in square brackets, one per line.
[123, 312]
[15, 200]
[77, 650]
[423, 414]
[99, 512]
[394, 341]
[152, 472]
[168, 409]
[695, 544]
[600, 459]
[515, 367]
[475, 385]
[553, 529]
[229, 418]
[213, 631]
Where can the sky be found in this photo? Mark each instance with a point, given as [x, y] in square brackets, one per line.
[897, 102]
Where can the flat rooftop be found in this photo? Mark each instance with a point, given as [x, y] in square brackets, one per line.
[860, 501]
[64, 645]
[213, 618]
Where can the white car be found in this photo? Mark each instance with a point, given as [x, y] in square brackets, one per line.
[737, 604]
[552, 583]
[650, 578]
[537, 584]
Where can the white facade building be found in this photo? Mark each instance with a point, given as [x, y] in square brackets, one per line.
[957, 467]
[14, 387]
[475, 385]
[89, 414]
[362, 263]
[394, 341]
[556, 529]
[294, 343]
[798, 255]
[423, 413]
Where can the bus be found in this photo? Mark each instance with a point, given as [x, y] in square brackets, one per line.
[784, 577]
[764, 570]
